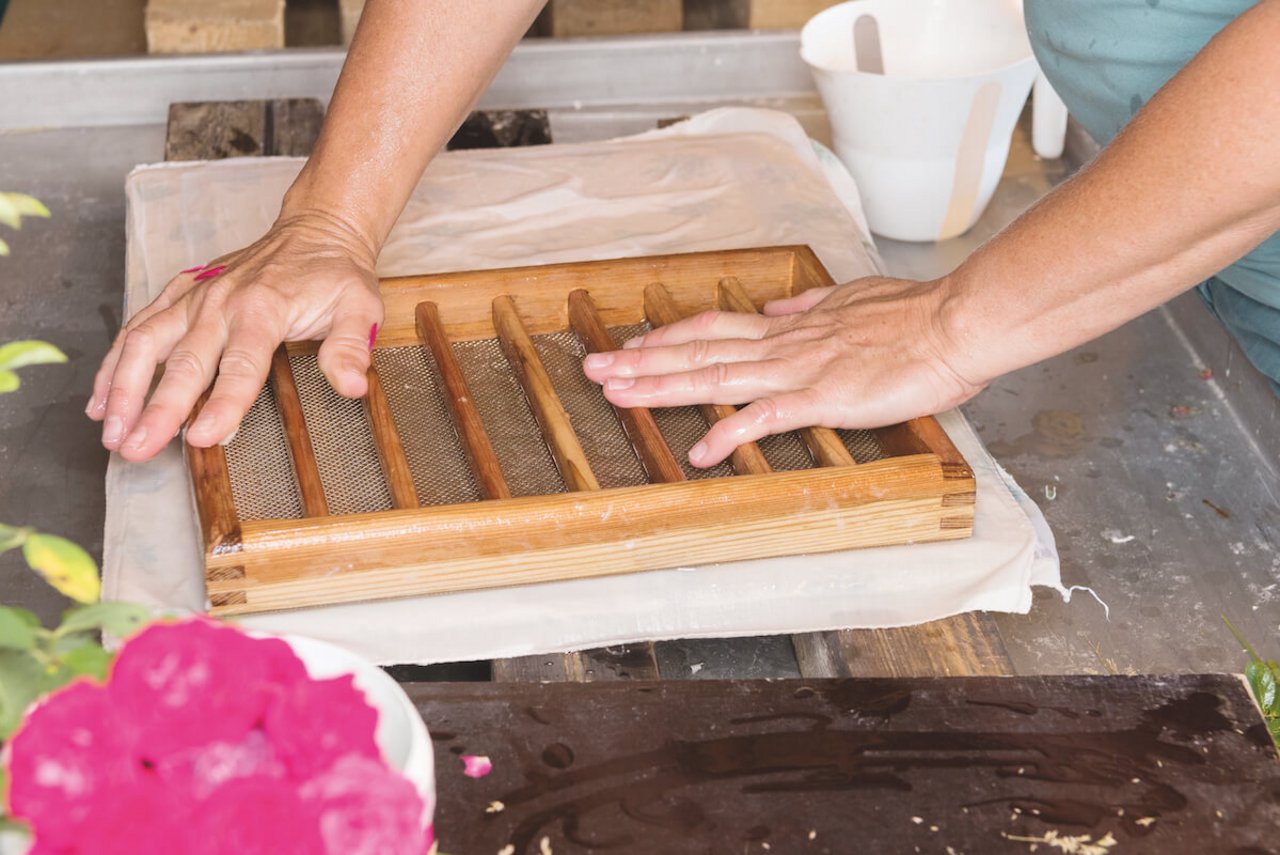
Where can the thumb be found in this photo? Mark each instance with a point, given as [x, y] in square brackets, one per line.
[344, 354]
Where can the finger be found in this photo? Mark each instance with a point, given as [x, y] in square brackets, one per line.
[176, 289]
[145, 346]
[242, 371]
[647, 361]
[344, 355]
[188, 371]
[722, 383]
[760, 418]
[802, 302]
[708, 325]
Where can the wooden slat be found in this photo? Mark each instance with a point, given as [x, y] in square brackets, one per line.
[661, 310]
[550, 413]
[651, 448]
[601, 664]
[298, 436]
[462, 407]
[219, 522]
[823, 443]
[395, 466]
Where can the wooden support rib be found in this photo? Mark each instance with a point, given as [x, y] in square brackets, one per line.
[823, 443]
[462, 408]
[395, 466]
[219, 522]
[299, 438]
[652, 449]
[550, 413]
[661, 310]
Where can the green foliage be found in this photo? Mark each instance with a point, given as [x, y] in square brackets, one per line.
[13, 207]
[1263, 676]
[63, 564]
[35, 661]
[20, 354]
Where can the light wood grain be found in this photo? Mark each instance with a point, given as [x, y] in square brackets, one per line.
[964, 645]
[395, 466]
[823, 443]
[301, 452]
[651, 448]
[558, 431]
[461, 405]
[661, 310]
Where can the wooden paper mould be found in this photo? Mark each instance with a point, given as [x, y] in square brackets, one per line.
[482, 457]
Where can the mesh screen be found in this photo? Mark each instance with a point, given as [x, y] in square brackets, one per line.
[346, 455]
[263, 485]
[436, 457]
[609, 452]
[517, 441]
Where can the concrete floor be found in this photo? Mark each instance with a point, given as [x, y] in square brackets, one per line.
[1126, 448]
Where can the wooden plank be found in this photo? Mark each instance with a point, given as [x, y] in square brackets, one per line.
[825, 446]
[965, 645]
[206, 26]
[301, 452]
[651, 448]
[558, 431]
[575, 535]
[613, 17]
[212, 130]
[211, 481]
[785, 14]
[661, 310]
[602, 664]
[716, 14]
[395, 466]
[1177, 763]
[461, 405]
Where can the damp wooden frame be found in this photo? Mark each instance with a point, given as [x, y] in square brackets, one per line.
[922, 491]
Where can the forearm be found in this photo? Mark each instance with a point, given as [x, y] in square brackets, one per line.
[414, 70]
[1192, 184]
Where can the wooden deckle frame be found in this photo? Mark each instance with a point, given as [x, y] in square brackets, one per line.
[922, 491]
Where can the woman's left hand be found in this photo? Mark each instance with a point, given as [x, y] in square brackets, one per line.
[870, 353]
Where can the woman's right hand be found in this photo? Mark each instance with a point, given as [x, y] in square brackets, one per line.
[310, 277]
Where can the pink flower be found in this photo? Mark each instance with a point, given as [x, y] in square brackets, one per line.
[309, 742]
[476, 766]
[197, 677]
[207, 741]
[72, 748]
[366, 809]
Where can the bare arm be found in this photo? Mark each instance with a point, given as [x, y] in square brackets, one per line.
[414, 70]
[1192, 184]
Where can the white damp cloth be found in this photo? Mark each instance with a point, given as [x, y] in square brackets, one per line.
[726, 179]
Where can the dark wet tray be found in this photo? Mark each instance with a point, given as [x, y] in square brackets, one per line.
[960, 765]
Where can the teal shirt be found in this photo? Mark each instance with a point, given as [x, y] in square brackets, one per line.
[1106, 58]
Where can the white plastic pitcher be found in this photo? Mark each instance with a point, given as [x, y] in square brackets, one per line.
[922, 96]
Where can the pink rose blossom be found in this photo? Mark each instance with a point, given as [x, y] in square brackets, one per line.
[207, 741]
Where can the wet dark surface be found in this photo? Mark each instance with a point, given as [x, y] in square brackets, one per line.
[1178, 764]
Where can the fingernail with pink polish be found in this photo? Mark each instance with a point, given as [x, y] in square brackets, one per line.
[211, 272]
[194, 269]
[373, 336]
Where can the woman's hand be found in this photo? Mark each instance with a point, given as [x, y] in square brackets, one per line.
[870, 353]
[310, 277]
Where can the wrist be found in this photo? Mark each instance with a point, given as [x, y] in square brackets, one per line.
[962, 332]
[303, 213]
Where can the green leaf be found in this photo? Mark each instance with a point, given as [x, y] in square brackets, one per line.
[119, 619]
[27, 206]
[1263, 683]
[17, 628]
[12, 536]
[9, 214]
[20, 676]
[64, 565]
[4, 248]
[9, 381]
[19, 354]
[88, 660]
